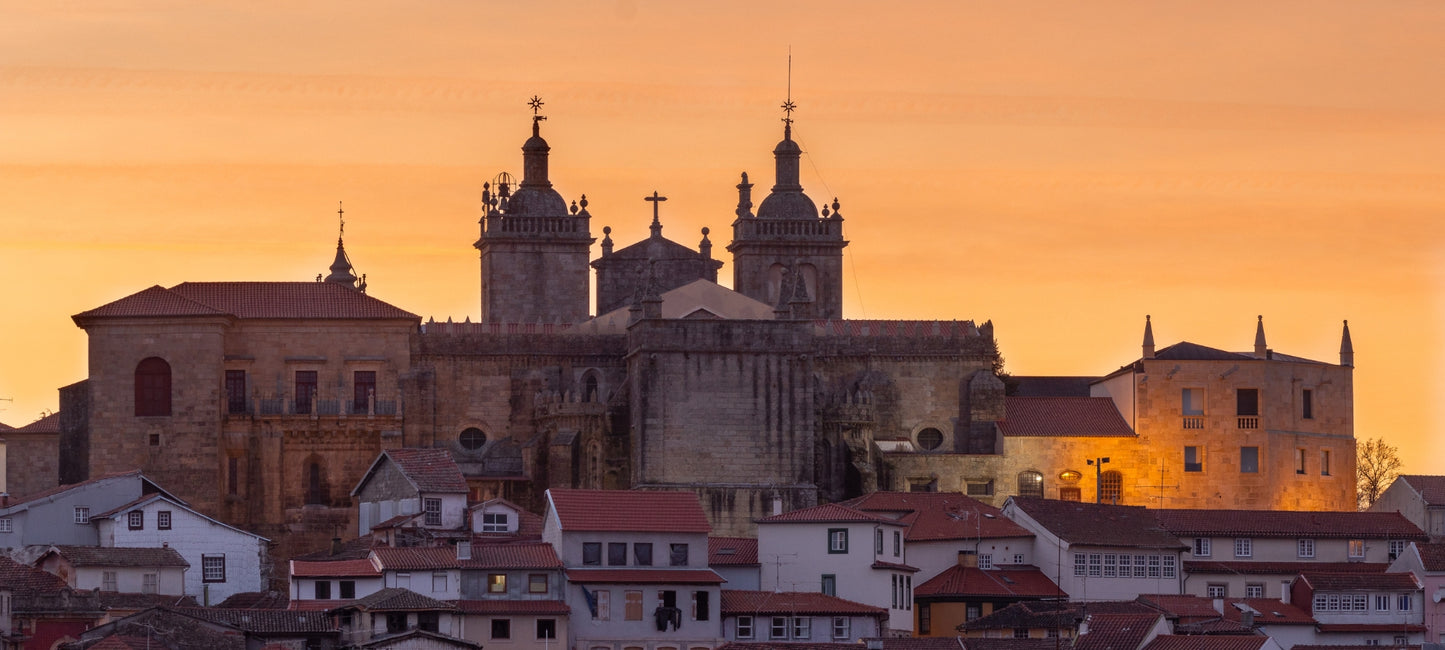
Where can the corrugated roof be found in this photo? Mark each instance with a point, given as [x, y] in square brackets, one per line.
[1093, 524]
[645, 576]
[732, 551]
[1063, 417]
[737, 601]
[828, 513]
[628, 511]
[1011, 581]
[1288, 524]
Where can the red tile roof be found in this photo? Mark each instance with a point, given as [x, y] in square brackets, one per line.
[645, 576]
[1063, 417]
[1358, 581]
[112, 556]
[1432, 556]
[828, 513]
[24, 580]
[1005, 644]
[1207, 642]
[1018, 582]
[628, 511]
[47, 424]
[1431, 488]
[737, 601]
[1271, 611]
[337, 569]
[396, 598]
[123, 642]
[732, 551]
[936, 516]
[1285, 568]
[265, 621]
[316, 605]
[529, 524]
[1035, 614]
[6, 427]
[251, 300]
[528, 555]
[1289, 524]
[1369, 627]
[430, 470]
[1092, 524]
[931, 643]
[1186, 607]
[1116, 631]
[514, 607]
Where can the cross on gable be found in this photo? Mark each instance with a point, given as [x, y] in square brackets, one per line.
[655, 200]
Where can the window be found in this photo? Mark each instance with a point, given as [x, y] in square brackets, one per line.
[546, 628]
[603, 601]
[1307, 404]
[433, 510]
[744, 629]
[537, 583]
[108, 581]
[894, 605]
[233, 476]
[496, 583]
[1246, 401]
[1154, 566]
[980, 488]
[1169, 566]
[1401, 640]
[830, 584]
[592, 553]
[154, 439]
[321, 590]
[501, 628]
[305, 391]
[494, 522]
[1201, 546]
[843, 626]
[1299, 460]
[213, 568]
[1111, 565]
[1249, 460]
[802, 627]
[1193, 459]
[930, 439]
[1254, 590]
[1018, 558]
[1324, 462]
[1031, 484]
[877, 541]
[1357, 549]
[589, 388]
[363, 383]
[1192, 401]
[1021, 633]
[1243, 547]
[403, 580]
[236, 391]
[907, 592]
[1305, 548]
[779, 628]
[897, 543]
[1139, 566]
[837, 540]
[315, 486]
[148, 583]
[1113, 486]
[1397, 548]
[1096, 565]
[1382, 603]
[678, 555]
[616, 554]
[971, 612]
[472, 439]
[985, 560]
[395, 622]
[1217, 590]
[6, 525]
[348, 589]
[429, 621]
[632, 605]
[1406, 602]
[135, 520]
[701, 606]
[152, 387]
[1071, 494]
[82, 515]
[1080, 564]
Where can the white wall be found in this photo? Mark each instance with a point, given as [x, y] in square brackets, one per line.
[794, 557]
[194, 536]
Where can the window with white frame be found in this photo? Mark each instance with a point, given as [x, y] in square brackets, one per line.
[1305, 548]
[1096, 565]
[897, 543]
[802, 628]
[109, 581]
[1169, 566]
[1201, 547]
[1254, 590]
[1154, 566]
[163, 520]
[1139, 566]
[1397, 548]
[439, 582]
[213, 568]
[82, 515]
[6, 525]
[985, 560]
[494, 522]
[1406, 602]
[837, 540]
[744, 627]
[1357, 549]
[135, 520]
[877, 541]
[1382, 603]
[1243, 547]
[148, 582]
[779, 628]
[604, 607]
[1081, 564]
[1018, 558]
[433, 510]
[1111, 565]
[842, 627]
[1217, 590]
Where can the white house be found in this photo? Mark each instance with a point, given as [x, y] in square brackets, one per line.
[224, 560]
[333, 582]
[941, 524]
[1427, 563]
[736, 560]
[840, 551]
[423, 482]
[1100, 552]
[127, 570]
[1363, 608]
[62, 515]
[798, 617]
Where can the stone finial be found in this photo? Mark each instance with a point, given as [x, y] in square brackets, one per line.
[1347, 348]
[583, 205]
[1261, 349]
[836, 213]
[606, 241]
[745, 198]
[704, 247]
[1148, 338]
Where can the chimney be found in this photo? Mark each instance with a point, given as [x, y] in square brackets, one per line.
[968, 559]
[464, 550]
[875, 644]
[4, 499]
[1246, 618]
[777, 505]
[336, 546]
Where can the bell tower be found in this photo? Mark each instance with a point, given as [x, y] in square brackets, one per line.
[534, 248]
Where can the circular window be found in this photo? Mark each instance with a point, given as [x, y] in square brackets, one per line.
[473, 438]
[930, 439]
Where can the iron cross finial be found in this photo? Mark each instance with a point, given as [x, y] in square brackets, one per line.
[341, 218]
[536, 104]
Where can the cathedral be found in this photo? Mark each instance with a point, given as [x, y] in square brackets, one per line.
[264, 403]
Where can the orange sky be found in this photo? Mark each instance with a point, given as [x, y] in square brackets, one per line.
[1059, 168]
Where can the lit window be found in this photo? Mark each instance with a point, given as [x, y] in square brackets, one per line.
[433, 510]
[496, 583]
[213, 568]
[1306, 548]
[1113, 486]
[1357, 548]
[1243, 547]
[1031, 484]
[135, 520]
[837, 540]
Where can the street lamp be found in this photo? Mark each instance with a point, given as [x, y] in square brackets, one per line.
[1098, 464]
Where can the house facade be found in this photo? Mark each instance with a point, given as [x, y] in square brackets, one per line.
[1419, 498]
[61, 515]
[1363, 609]
[1100, 552]
[160, 571]
[1427, 563]
[798, 617]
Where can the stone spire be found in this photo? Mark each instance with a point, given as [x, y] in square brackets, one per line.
[1261, 350]
[341, 271]
[1148, 338]
[1347, 348]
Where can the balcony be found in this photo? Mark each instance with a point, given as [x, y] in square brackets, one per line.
[1249, 421]
[280, 406]
[1193, 422]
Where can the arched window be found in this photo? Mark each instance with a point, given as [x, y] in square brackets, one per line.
[1112, 487]
[152, 387]
[930, 439]
[1031, 484]
[315, 488]
[589, 388]
[472, 439]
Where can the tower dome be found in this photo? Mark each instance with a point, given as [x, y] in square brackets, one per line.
[787, 200]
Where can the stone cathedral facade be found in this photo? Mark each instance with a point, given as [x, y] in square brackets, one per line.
[263, 403]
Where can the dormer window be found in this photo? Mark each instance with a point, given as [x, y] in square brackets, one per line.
[494, 522]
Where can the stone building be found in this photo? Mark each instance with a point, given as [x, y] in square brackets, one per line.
[263, 403]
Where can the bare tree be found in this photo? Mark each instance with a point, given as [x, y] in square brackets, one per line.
[1377, 464]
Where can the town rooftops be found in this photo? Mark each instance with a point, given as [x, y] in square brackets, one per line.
[1430, 488]
[1091, 524]
[49, 423]
[26, 580]
[1432, 556]
[732, 551]
[644, 576]
[336, 569]
[1035, 614]
[397, 599]
[936, 516]
[1289, 524]
[1117, 631]
[1208, 642]
[430, 471]
[146, 487]
[1277, 568]
[991, 644]
[265, 621]
[1267, 611]
[249, 300]
[1045, 386]
[1063, 417]
[483, 556]
[1002, 581]
[1360, 581]
[797, 603]
[628, 511]
[111, 556]
[829, 513]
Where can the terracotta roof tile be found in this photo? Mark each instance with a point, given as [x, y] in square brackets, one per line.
[933, 516]
[520, 555]
[262, 300]
[431, 470]
[1207, 642]
[265, 621]
[255, 600]
[339, 569]
[514, 607]
[644, 576]
[1431, 488]
[1092, 524]
[1052, 614]
[737, 601]
[787, 645]
[1184, 606]
[1288, 524]
[925, 643]
[104, 556]
[1019, 582]
[1358, 581]
[1063, 417]
[1014, 644]
[1284, 568]
[1271, 611]
[416, 638]
[1302, 646]
[828, 513]
[894, 566]
[25, 580]
[1116, 631]
[1432, 556]
[6, 427]
[116, 601]
[47, 424]
[153, 301]
[396, 598]
[628, 511]
[123, 642]
[732, 551]
[317, 605]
